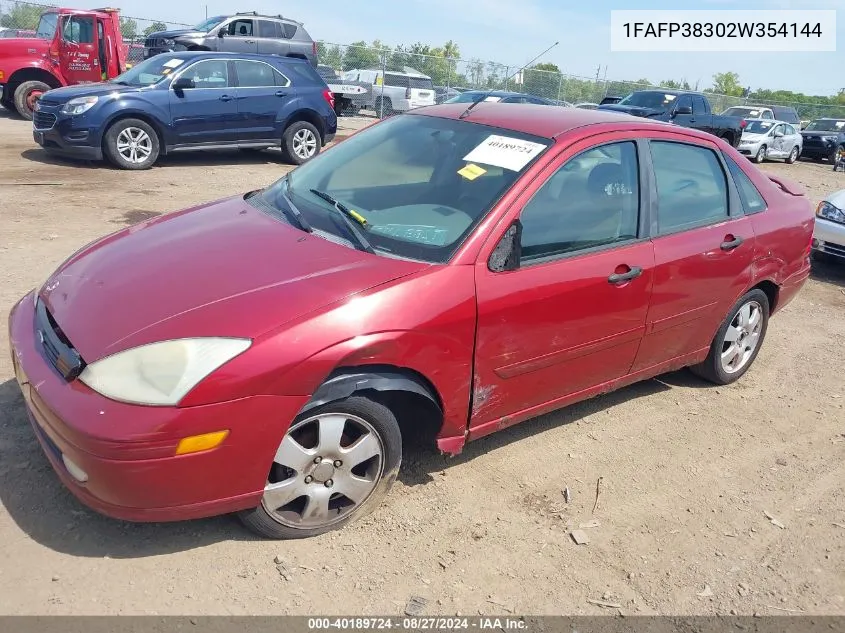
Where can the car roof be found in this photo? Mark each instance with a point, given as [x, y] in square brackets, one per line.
[772, 121]
[543, 121]
[192, 55]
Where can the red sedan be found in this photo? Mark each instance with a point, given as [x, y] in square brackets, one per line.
[445, 273]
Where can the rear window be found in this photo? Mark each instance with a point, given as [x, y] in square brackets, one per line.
[786, 114]
[305, 71]
[404, 81]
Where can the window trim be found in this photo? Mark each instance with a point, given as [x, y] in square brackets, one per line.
[735, 207]
[238, 85]
[645, 203]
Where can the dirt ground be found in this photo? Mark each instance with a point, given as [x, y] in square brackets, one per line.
[688, 471]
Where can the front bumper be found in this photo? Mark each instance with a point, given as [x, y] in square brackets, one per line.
[829, 238]
[749, 150]
[128, 451]
[70, 136]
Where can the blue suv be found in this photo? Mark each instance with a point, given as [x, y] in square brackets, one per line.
[190, 101]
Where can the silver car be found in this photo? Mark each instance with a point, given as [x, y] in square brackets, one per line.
[829, 233]
[763, 138]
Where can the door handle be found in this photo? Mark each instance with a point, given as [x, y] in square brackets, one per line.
[731, 243]
[281, 93]
[225, 98]
[250, 41]
[621, 278]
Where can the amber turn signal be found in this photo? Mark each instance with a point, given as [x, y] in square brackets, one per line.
[198, 443]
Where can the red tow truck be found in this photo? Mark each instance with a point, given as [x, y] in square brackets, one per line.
[70, 47]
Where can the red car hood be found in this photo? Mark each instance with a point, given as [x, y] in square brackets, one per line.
[224, 269]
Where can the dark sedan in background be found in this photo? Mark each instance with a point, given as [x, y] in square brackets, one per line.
[191, 101]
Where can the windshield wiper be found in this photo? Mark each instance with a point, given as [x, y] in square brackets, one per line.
[295, 213]
[121, 83]
[350, 218]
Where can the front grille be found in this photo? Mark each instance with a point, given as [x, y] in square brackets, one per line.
[833, 249]
[43, 120]
[57, 348]
[150, 42]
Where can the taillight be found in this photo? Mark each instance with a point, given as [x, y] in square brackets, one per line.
[743, 124]
[314, 48]
[329, 97]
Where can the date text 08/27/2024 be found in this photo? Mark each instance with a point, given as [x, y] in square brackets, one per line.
[419, 623]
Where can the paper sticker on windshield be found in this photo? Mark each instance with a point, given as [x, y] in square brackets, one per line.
[173, 63]
[472, 171]
[840, 124]
[493, 99]
[505, 152]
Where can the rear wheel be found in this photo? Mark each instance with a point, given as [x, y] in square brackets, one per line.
[761, 155]
[131, 144]
[738, 341]
[335, 464]
[793, 155]
[301, 142]
[26, 96]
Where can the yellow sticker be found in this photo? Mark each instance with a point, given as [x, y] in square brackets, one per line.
[472, 171]
[379, 81]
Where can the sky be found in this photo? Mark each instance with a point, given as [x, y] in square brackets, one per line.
[513, 32]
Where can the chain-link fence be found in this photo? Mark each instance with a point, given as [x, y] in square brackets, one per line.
[391, 80]
[23, 19]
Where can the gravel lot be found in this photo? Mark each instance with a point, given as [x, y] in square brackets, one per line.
[689, 471]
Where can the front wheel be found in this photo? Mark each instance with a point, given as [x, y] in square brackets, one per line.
[335, 464]
[26, 95]
[761, 155]
[301, 142]
[793, 155]
[738, 341]
[131, 144]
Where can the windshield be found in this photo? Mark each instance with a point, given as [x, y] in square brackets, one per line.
[470, 97]
[649, 99]
[210, 23]
[826, 125]
[759, 127]
[150, 72]
[47, 26]
[422, 184]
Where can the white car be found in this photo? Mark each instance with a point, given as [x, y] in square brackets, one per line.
[762, 139]
[829, 235]
[394, 91]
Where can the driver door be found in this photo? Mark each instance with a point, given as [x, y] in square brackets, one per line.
[80, 54]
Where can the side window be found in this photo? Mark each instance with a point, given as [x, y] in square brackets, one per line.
[685, 101]
[258, 75]
[788, 130]
[289, 30]
[691, 186]
[698, 105]
[211, 73]
[241, 28]
[592, 200]
[79, 30]
[752, 201]
[267, 29]
[767, 114]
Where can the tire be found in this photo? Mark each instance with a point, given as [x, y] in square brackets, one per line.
[834, 154]
[125, 132]
[793, 155]
[761, 155]
[388, 107]
[301, 142]
[713, 369]
[23, 97]
[290, 521]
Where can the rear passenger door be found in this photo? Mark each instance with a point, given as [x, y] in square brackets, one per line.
[263, 95]
[704, 248]
[270, 38]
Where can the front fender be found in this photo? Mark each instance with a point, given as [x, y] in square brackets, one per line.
[128, 106]
[10, 66]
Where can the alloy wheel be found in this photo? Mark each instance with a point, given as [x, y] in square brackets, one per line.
[325, 468]
[134, 145]
[742, 337]
[304, 143]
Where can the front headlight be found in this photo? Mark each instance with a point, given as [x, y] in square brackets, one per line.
[80, 105]
[830, 212]
[160, 373]
[830, 137]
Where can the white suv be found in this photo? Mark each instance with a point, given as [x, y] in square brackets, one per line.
[393, 91]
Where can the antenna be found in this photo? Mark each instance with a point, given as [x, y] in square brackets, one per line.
[519, 70]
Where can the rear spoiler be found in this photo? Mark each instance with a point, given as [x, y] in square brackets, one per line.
[788, 186]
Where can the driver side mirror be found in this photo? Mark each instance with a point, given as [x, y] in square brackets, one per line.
[683, 110]
[183, 83]
[508, 252]
[221, 33]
